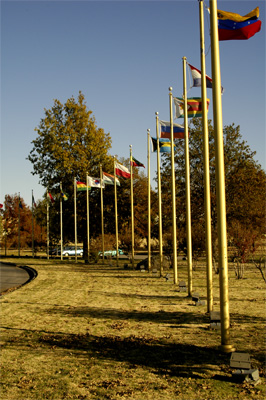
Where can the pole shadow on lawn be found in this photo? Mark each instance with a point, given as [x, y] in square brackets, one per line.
[164, 358]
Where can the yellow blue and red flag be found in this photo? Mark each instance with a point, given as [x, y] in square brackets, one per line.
[232, 26]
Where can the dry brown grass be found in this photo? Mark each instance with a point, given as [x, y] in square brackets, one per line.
[101, 332]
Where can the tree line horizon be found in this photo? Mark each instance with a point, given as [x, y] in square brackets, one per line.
[69, 144]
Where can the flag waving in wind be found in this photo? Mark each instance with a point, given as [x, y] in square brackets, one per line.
[164, 145]
[95, 182]
[121, 170]
[194, 107]
[196, 76]
[109, 179]
[136, 163]
[233, 26]
[166, 130]
[81, 186]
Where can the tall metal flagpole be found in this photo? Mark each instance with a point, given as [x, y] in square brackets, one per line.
[159, 195]
[173, 188]
[132, 207]
[48, 222]
[187, 178]
[88, 216]
[61, 219]
[101, 183]
[149, 201]
[75, 217]
[32, 223]
[220, 181]
[116, 219]
[207, 196]
[19, 226]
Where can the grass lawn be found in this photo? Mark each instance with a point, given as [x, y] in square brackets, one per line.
[100, 332]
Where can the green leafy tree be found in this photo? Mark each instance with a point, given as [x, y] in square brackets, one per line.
[69, 144]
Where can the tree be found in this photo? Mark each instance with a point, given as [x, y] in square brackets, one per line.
[15, 209]
[69, 144]
[244, 180]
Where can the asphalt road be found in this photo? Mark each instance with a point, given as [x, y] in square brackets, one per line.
[11, 276]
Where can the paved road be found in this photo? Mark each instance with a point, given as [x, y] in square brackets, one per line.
[11, 276]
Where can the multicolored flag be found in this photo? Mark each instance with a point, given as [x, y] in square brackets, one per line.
[135, 163]
[179, 132]
[64, 196]
[109, 179]
[233, 26]
[81, 186]
[194, 107]
[196, 76]
[121, 170]
[95, 182]
[164, 145]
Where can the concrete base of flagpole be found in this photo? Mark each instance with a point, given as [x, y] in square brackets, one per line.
[227, 348]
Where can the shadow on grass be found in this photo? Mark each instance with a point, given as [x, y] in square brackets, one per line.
[163, 358]
[173, 318]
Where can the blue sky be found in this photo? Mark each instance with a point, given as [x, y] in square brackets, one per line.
[123, 56]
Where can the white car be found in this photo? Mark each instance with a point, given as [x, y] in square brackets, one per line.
[70, 251]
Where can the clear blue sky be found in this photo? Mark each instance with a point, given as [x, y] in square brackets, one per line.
[123, 56]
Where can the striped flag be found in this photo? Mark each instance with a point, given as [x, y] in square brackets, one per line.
[179, 132]
[109, 179]
[81, 186]
[233, 26]
[164, 145]
[121, 170]
[196, 76]
[194, 107]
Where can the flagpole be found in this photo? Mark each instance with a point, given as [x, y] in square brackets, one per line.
[61, 220]
[159, 195]
[32, 224]
[220, 181]
[101, 182]
[207, 196]
[75, 217]
[116, 220]
[88, 216]
[173, 187]
[132, 206]
[187, 178]
[47, 211]
[149, 202]
[19, 226]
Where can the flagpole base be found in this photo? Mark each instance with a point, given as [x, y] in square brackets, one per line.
[227, 348]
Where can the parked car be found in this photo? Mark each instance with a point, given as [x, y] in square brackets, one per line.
[70, 251]
[110, 253]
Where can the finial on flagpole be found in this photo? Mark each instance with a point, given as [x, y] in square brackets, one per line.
[170, 88]
[156, 113]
